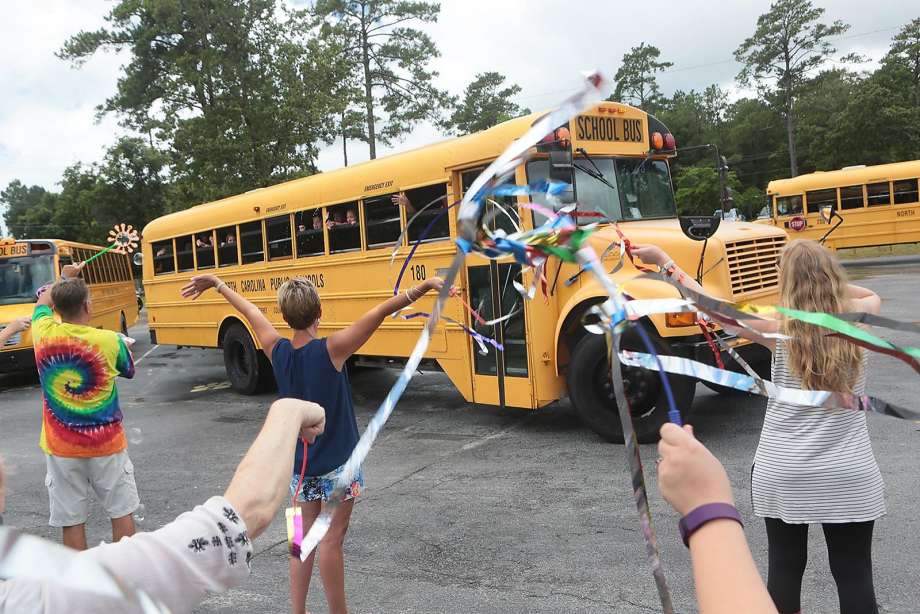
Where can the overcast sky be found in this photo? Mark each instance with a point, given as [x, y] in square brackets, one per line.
[47, 116]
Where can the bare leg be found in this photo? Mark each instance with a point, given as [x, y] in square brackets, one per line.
[122, 527]
[75, 536]
[331, 560]
[300, 571]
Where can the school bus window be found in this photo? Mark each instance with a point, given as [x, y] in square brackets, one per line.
[789, 205]
[310, 239]
[106, 268]
[905, 191]
[125, 268]
[344, 234]
[227, 254]
[184, 257]
[418, 199]
[278, 230]
[818, 198]
[163, 258]
[204, 250]
[251, 242]
[116, 268]
[878, 194]
[110, 267]
[851, 197]
[382, 225]
[92, 270]
[508, 216]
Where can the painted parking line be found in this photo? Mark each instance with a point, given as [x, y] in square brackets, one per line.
[146, 354]
[211, 386]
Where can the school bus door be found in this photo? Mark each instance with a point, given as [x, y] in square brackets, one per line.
[499, 377]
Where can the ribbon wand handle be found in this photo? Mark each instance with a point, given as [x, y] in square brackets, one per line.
[96, 255]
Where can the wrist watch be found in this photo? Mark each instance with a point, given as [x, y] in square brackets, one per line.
[699, 516]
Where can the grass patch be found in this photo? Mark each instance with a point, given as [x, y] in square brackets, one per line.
[905, 249]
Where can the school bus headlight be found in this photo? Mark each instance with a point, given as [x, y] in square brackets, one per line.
[684, 318]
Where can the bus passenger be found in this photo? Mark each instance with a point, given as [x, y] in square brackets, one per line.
[350, 217]
[317, 222]
[16, 326]
[312, 368]
[812, 465]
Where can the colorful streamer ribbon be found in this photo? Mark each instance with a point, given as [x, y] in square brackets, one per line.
[470, 208]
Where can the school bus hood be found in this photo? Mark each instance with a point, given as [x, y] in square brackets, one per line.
[8, 313]
[667, 232]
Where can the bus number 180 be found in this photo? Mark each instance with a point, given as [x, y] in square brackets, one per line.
[418, 272]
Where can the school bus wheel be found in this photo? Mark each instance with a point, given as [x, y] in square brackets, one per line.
[591, 390]
[247, 368]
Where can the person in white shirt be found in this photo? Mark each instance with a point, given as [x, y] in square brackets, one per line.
[206, 550]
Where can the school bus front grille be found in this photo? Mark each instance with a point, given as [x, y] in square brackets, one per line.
[753, 264]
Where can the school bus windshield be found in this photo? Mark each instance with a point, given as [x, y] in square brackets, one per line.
[616, 189]
[21, 277]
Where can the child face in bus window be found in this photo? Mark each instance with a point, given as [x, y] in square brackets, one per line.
[339, 217]
[350, 217]
[317, 223]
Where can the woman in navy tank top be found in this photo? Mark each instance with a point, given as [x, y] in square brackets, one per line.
[312, 368]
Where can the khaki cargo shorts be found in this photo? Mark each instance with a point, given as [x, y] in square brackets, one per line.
[69, 481]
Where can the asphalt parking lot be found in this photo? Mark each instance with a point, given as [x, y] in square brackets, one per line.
[471, 509]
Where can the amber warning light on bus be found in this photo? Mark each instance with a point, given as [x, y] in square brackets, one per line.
[664, 141]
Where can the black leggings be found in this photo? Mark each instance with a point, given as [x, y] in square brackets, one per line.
[849, 549]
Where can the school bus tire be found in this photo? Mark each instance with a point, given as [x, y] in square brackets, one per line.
[241, 360]
[591, 390]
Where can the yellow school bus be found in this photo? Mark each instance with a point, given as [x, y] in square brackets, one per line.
[875, 205]
[27, 265]
[616, 157]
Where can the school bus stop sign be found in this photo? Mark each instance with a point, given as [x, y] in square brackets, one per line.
[797, 223]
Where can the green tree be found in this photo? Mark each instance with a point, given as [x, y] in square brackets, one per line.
[698, 190]
[484, 105]
[238, 90]
[128, 186]
[789, 43]
[821, 108]
[904, 55]
[29, 210]
[391, 59]
[636, 82]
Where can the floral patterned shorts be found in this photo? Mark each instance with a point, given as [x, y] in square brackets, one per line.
[319, 488]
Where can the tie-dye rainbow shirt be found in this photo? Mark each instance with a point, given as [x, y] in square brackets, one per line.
[77, 366]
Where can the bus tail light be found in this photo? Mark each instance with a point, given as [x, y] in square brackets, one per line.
[669, 141]
[657, 140]
[684, 318]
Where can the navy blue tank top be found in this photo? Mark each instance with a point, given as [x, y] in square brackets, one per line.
[307, 373]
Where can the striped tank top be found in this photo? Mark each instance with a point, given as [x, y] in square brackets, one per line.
[815, 465]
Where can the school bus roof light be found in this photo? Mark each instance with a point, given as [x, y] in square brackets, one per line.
[669, 141]
[657, 140]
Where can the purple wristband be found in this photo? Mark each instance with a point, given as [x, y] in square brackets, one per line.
[690, 523]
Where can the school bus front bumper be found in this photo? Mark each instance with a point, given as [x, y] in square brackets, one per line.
[22, 359]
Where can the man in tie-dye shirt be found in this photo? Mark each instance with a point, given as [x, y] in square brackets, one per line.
[81, 419]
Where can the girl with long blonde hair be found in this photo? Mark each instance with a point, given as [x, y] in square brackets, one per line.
[812, 465]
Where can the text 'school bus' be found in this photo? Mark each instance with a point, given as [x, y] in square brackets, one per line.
[257, 240]
[874, 205]
[27, 265]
